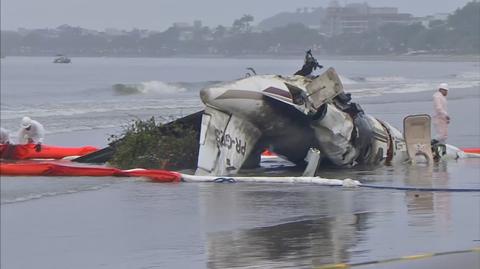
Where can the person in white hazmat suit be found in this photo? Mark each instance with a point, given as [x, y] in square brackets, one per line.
[31, 131]
[4, 136]
[441, 119]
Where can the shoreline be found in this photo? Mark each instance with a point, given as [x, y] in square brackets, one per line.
[399, 58]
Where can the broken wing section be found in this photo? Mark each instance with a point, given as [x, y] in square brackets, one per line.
[226, 141]
[313, 94]
[324, 88]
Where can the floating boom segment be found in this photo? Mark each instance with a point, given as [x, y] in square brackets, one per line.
[32, 168]
[28, 151]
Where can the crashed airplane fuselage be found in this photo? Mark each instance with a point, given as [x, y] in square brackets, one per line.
[289, 116]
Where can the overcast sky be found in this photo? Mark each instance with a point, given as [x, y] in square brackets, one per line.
[160, 14]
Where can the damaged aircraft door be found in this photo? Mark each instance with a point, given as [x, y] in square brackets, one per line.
[226, 141]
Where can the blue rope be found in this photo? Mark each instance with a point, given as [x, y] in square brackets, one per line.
[224, 180]
[418, 188]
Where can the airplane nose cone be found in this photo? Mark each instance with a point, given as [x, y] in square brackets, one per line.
[205, 95]
[208, 95]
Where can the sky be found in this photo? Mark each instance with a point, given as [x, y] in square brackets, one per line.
[160, 14]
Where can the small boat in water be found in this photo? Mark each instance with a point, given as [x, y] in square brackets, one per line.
[61, 59]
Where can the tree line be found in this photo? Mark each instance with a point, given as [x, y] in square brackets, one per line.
[458, 34]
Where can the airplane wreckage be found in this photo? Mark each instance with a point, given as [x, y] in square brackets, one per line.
[308, 120]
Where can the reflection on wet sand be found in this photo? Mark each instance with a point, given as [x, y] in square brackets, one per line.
[294, 244]
[287, 226]
[428, 208]
[280, 225]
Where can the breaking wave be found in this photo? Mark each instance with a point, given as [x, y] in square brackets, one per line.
[407, 88]
[347, 81]
[113, 106]
[396, 79]
[79, 116]
[469, 75]
[147, 87]
[160, 87]
[376, 86]
[374, 80]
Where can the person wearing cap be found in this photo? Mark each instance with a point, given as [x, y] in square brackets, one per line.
[31, 132]
[440, 117]
[4, 136]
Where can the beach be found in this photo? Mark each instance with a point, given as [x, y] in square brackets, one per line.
[87, 222]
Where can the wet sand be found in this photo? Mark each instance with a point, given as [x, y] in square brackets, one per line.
[132, 223]
[139, 224]
[447, 261]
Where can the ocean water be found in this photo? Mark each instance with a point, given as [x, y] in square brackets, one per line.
[105, 93]
[86, 222]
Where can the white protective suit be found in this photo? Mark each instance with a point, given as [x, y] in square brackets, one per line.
[34, 135]
[440, 118]
[4, 136]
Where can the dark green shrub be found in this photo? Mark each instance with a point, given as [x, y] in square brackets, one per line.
[147, 144]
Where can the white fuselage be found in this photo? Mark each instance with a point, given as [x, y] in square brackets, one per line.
[290, 127]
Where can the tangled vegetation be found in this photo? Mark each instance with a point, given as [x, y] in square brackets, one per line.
[148, 144]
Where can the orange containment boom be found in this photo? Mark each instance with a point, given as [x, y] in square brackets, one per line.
[27, 151]
[471, 150]
[268, 153]
[56, 169]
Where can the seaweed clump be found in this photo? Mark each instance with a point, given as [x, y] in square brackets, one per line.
[148, 144]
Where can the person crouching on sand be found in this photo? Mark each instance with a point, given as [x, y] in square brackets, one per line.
[31, 132]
